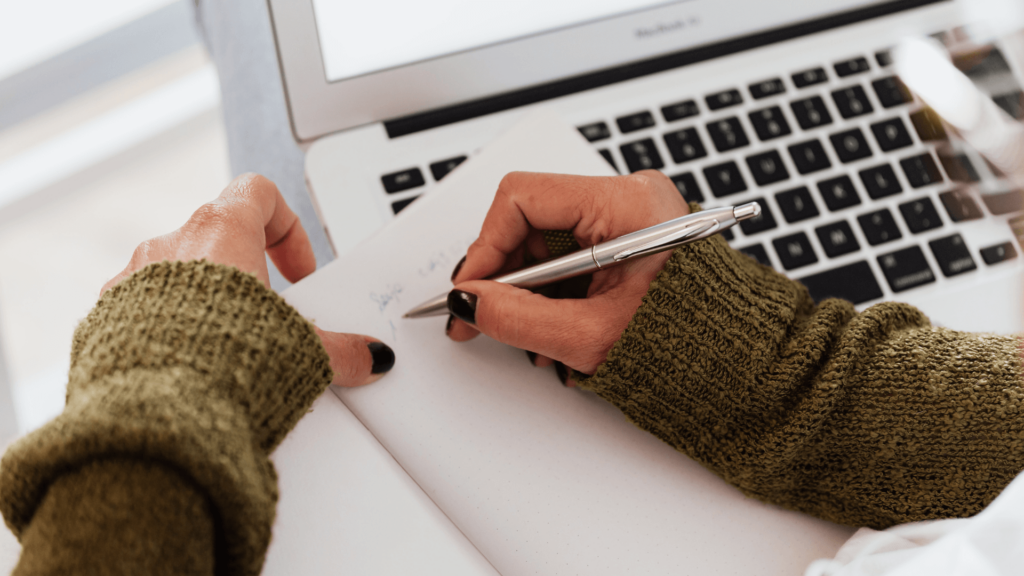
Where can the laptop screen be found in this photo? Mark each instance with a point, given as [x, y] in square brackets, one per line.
[358, 38]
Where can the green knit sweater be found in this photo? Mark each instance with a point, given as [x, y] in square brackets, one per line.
[186, 375]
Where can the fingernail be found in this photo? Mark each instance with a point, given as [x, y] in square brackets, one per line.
[448, 327]
[457, 268]
[563, 373]
[383, 357]
[463, 306]
[532, 356]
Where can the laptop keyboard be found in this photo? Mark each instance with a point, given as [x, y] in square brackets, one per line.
[829, 153]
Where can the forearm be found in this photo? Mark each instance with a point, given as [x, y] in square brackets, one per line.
[194, 369]
[866, 419]
[120, 516]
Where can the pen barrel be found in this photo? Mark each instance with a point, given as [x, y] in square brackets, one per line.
[664, 236]
[562, 268]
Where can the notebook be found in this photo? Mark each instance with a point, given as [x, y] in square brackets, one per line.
[516, 473]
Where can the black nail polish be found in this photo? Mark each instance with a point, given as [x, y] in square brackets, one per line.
[563, 373]
[463, 306]
[383, 357]
[448, 327]
[457, 268]
[532, 356]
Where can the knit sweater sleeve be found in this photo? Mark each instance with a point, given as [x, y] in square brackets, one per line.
[183, 379]
[872, 418]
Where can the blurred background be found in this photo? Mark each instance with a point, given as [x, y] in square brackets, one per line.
[110, 133]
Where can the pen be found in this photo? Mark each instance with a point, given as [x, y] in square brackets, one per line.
[653, 240]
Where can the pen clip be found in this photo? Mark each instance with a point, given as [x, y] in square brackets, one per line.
[669, 241]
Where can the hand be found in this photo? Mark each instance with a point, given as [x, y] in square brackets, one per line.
[576, 332]
[248, 218]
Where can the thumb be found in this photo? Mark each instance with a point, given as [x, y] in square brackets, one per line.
[356, 359]
[571, 331]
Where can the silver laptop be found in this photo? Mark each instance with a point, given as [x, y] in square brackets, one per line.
[793, 104]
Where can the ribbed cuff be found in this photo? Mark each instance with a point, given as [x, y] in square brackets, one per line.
[196, 365]
[687, 368]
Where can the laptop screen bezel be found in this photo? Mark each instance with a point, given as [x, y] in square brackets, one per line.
[318, 107]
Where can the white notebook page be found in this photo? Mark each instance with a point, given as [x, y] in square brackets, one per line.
[542, 479]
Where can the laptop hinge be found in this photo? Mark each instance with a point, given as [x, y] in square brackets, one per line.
[490, 105]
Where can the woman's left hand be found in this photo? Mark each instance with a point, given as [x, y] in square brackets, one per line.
[250, 217]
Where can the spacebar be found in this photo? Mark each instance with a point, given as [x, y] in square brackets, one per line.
[854, 282]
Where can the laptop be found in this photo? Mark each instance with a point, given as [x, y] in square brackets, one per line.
[865, 194]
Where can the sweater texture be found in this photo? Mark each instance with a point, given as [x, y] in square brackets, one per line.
[868, 419]
[183, 378]
[186, 375]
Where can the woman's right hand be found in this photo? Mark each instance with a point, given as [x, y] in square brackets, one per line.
[576, 332]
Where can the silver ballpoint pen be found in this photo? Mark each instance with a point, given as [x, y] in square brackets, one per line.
[657, 238]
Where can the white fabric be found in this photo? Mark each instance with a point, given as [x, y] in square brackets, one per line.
[989, 544]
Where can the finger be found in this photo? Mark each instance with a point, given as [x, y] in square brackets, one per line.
[356, 360]
[594, 208]
[576, 332]
[287, 243]
[539, 360]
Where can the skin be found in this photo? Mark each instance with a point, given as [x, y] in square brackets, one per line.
[249, 217]
[578, 332]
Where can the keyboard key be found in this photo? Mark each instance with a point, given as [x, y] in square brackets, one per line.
[928, 125]
[1004, 202]
[767, 88]
[879, 227]
[1011, 104]
[769, 123]
[725, 179]
[596, 131]
[891, 92]
[642, 155]
[994, 64]
[635, 122]
[403, 180]
[837, 239]
[794, 251]
[853, 282]
[397, 207]
[960, 205]
[850, 145]
[687, 186]
[724, 99]
[810, 77]
[685, 145]
[728, 234]
[880, 181]
[998, 253]
[921, 170]
[727, 134]
[851, 67]
[760, 223]
[952, 255]
[809, 157]
[767, 168]
[906, 269]
[920, 215]
[607, 155]
[958, 167]
[838, 193]
[680, 110]
[884, 58]
[442, 168]
[811, 112]
[757, 252]
[852, 102]
[891, 134]
[796, 204]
